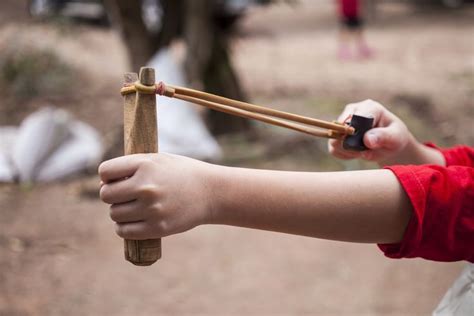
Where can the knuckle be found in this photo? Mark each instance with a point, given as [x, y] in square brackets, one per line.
[156, 210]
[375, 105]
[147, 191]
[370, 101]
[349, 107]
[146, 164]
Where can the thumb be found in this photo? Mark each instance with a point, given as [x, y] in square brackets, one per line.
[380, 137]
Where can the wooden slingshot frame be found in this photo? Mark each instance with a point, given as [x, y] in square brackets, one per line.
[141, 135]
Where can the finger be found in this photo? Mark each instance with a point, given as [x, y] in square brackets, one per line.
[134, 231]
[383, 137]
[338, 152]
[119, 168]
[333, 143]
[127, 212]
[119, 192]
[348, 110]
[369, 108]
[335, 148]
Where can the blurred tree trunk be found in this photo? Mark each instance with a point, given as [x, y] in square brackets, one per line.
[208, 65]
[126, 17]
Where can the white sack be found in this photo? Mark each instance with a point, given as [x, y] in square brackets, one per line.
[180, 128]
[81, 152]
[39, 136]
[48, 145]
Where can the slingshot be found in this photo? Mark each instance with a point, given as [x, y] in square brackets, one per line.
[140, 131]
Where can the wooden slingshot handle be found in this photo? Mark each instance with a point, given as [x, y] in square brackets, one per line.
[141, 136]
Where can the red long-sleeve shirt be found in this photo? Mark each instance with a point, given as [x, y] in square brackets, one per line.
[442, 225]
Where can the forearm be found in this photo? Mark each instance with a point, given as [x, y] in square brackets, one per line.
[359, 206]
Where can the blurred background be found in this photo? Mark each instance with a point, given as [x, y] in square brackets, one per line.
[61, 68]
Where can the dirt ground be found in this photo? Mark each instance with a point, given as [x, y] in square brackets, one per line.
[60, 256]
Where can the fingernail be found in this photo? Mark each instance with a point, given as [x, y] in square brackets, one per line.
[372, 139]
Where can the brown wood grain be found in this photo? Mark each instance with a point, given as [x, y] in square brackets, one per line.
[141, 136]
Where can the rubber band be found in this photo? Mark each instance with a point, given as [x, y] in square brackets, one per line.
[268, 115]
[138, 87]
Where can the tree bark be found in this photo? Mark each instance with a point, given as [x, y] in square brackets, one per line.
[126, 17]
[208, 65]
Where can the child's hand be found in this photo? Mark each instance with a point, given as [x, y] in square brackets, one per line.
[155, 195]
[386, 142]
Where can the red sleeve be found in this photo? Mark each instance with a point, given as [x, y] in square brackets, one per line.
[442, 225]
[458, 156]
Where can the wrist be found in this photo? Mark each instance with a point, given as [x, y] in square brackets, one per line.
[415, 153]
[216, 180]
[404, 154]
[429, 156]
[420, 154]
[411, 152]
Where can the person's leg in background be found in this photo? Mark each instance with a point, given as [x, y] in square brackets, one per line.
[363, 49]
[352, 31]
[344, 51]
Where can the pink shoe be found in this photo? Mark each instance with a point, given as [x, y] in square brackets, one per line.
[365, 52]
[344, 53]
